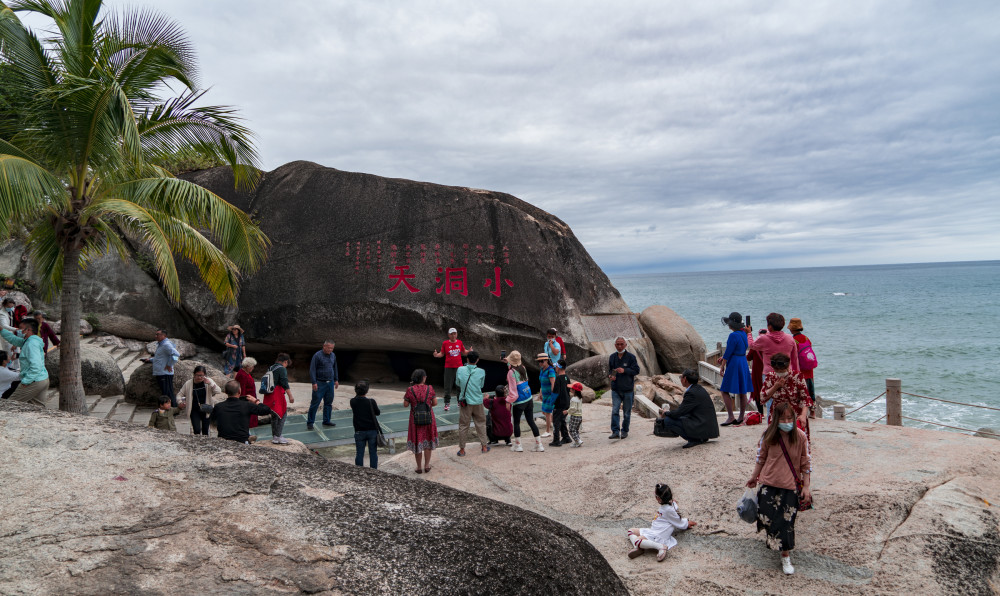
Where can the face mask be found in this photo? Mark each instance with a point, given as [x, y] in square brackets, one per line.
[11, 309]
[786, 426]
[782, 374]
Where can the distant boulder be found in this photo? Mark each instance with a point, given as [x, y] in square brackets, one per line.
[678, 345]
[100, 372]
[591, 371]
[85, 327]
[185, 348]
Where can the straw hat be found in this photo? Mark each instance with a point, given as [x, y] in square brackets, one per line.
[232, 327]
[514, 358]
[541, 356]
[795, 324]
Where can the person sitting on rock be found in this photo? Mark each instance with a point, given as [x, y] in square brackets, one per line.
[163, 418]
[660, 536]
[232, 416]
[695, 420]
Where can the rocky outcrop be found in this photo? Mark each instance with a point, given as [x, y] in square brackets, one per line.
[85, 327]
[678, 345]
[416, 259]
[185, 348]
[591, 371]
[143, 390]
[988, 433]
[101, 375]
[112, 508]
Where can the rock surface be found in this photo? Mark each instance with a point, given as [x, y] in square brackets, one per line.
[591, 371]
[85, 327]
[185, 348]
[988, 433]
[678, 345]
[101, 375]
[899, 510]
[343, 291]
[111, 508]
[143, 390]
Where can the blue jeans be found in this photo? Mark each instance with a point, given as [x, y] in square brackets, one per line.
[325, 393]
[621, 400]
[362, 438]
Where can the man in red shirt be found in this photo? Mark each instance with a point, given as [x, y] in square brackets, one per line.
[452, 351]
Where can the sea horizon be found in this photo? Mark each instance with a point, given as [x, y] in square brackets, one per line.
[625, 273]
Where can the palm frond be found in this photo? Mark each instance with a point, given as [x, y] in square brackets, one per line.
[213, 131]
[238, 237]
[145, 49]
[26, 189]
[144, 227]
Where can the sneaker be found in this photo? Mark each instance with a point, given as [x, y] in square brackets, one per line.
[461, 453]
[447, 407]
[283, 440]
[624, 435]
[543, 435]
[635, 552]
[554, 444]
[329, 424]
[615, 435]
[579, 443]
[276, 441]
[786, 565]
[661, 554]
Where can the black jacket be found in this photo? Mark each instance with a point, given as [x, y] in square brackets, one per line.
[624, 382]
[233, 418]
[697, 414]
[362, 408]
[562, 393]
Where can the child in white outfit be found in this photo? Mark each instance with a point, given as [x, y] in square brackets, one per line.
[659, 537]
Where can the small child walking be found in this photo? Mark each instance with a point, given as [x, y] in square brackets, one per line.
[576, 413]
[163, 418]
[659, 536]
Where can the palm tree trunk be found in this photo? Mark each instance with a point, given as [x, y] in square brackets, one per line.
[71, 396]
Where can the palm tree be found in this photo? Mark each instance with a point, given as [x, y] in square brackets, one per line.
[77, 168]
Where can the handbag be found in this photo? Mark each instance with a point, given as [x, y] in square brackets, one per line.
[422, 413]
[807, 358]
[380, 439]
[461, 396]
[660, 429]
[746, 507]
[803, 506]
[523, 389]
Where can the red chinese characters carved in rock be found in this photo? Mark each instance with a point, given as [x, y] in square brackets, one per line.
[402, 278]
[495, 282]
[455, 280]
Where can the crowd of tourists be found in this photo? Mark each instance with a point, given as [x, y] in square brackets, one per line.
[772, 370]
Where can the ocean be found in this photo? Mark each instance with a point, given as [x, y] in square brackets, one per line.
[935, 326]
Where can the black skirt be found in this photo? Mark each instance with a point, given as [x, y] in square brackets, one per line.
[776, 512]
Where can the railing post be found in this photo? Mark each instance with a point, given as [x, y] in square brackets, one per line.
[838, 412]
[893, 402]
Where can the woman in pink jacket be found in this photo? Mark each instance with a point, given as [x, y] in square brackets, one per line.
[775, 341]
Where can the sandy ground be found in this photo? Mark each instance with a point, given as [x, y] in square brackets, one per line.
[866, 481]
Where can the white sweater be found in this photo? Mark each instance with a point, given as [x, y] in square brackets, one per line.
[666, 521]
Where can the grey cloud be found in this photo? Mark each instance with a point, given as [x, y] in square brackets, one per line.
[668, 135]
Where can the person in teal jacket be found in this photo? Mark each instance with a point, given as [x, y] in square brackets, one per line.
[470, 379]
[34, 376]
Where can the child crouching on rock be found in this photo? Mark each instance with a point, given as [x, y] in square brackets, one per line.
[659, 537]
[163, 418]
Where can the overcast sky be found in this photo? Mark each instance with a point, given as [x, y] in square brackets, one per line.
[669, 135]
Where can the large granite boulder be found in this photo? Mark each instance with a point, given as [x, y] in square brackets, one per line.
[678, 345]
[85, 327]
[185, 348]
[388, 264]
[100, 372]
[149, 512]
[143, 390]
[591, 371]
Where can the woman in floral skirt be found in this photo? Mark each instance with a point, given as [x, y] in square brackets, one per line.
[783, 470]
[421, 438]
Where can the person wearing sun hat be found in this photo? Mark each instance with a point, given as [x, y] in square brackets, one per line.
[547, 383]
[522, 404]
[734, 368]
[236, 350]
[805, 371]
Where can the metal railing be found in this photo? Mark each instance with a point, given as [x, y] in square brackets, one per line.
[894, 408]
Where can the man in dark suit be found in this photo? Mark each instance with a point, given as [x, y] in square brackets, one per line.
[695, 420]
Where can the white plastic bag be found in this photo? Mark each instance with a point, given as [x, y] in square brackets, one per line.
[746, 507]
